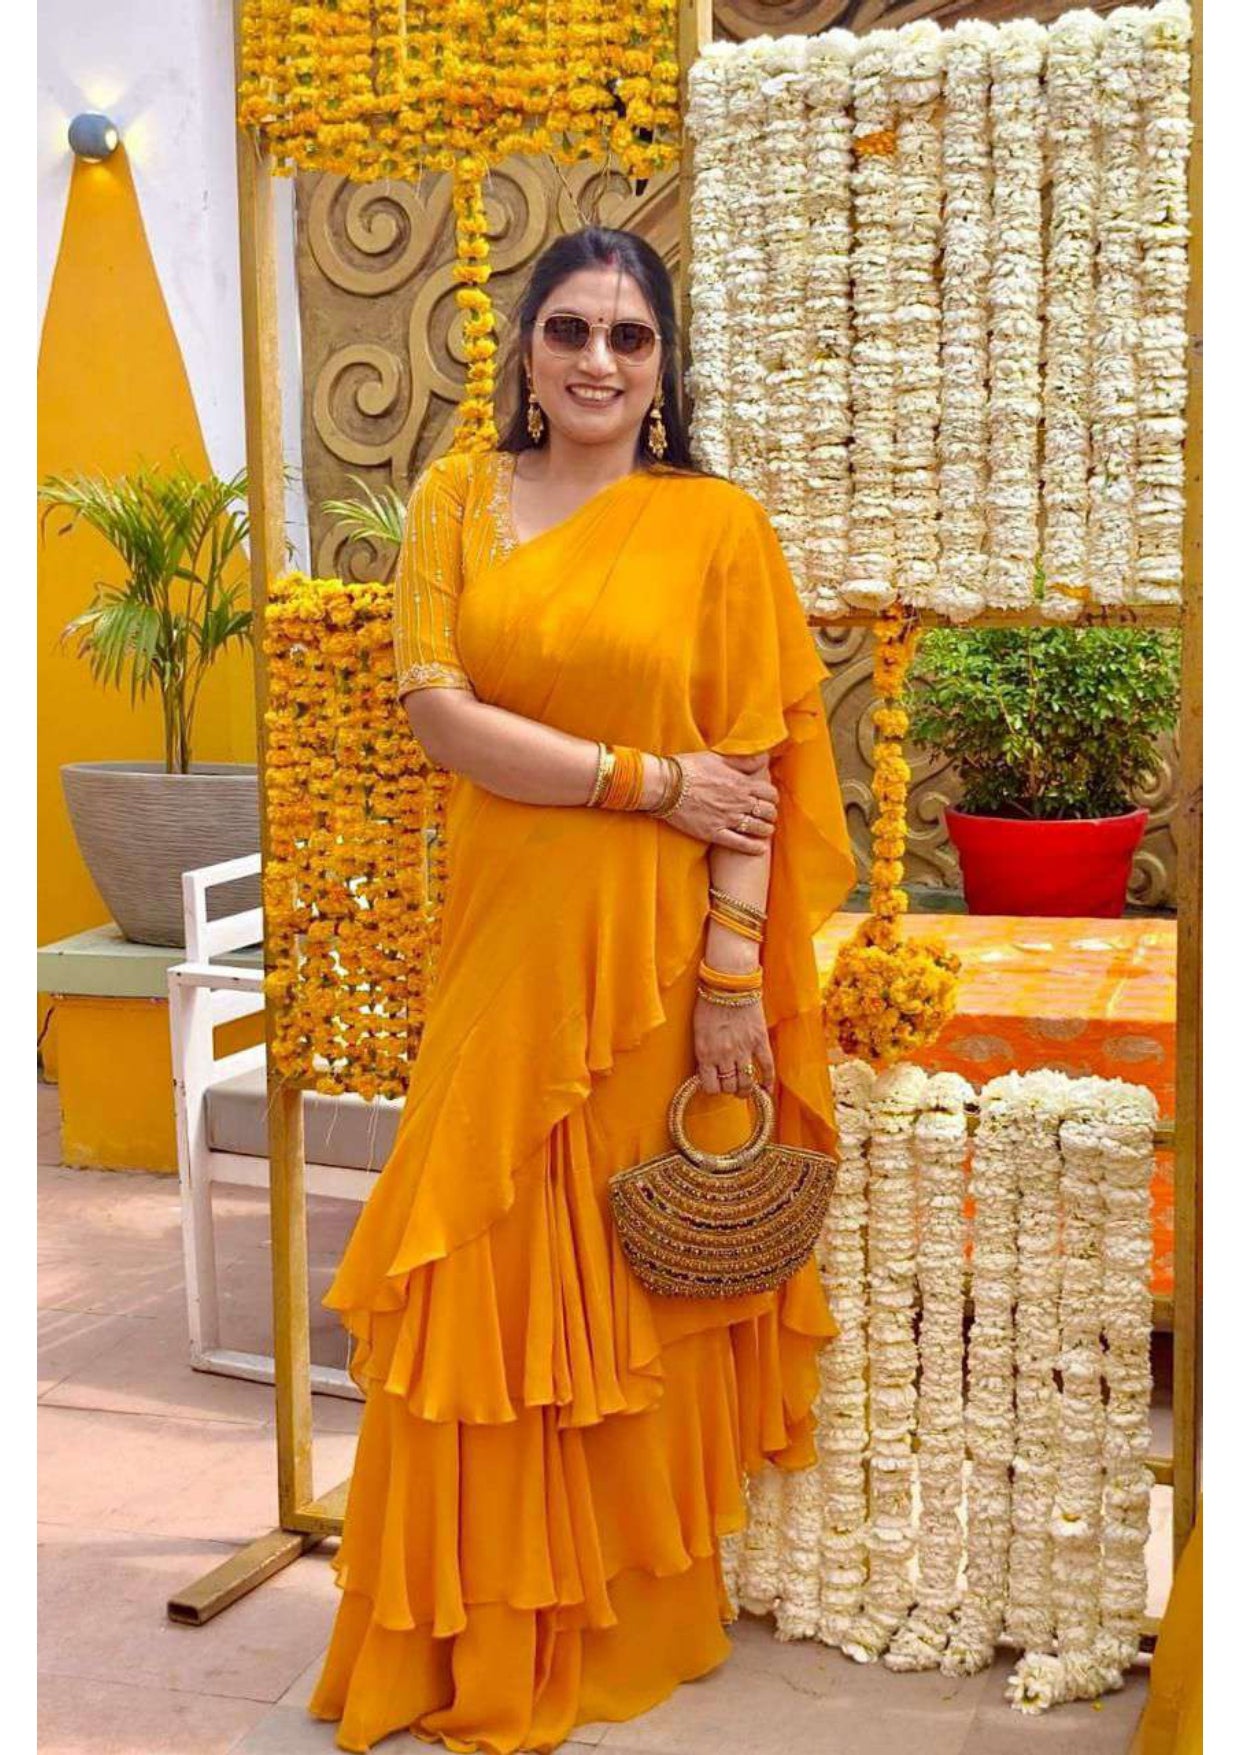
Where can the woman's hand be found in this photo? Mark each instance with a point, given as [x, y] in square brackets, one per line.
[729, 801]
[726, 1040]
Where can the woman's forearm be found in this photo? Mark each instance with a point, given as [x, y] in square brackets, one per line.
[508, 754]
[747, 876]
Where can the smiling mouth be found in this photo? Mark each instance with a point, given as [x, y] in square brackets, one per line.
[593, 398]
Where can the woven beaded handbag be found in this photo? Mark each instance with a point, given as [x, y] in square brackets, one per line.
[700, 1224]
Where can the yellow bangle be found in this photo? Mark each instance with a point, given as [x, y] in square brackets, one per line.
[750, 909]
[624, 790]
[745, 928]
[731, 981]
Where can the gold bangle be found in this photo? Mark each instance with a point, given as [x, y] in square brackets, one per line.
[675, 789]
[707, 993]
[616, 779]
[744, 929]
[752, 917]
[606, 767]
[597, 787]
[749, 908]
[627, 780]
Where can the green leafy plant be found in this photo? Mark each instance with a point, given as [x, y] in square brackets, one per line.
[1045, 722]
[373, 517]
[176, 612]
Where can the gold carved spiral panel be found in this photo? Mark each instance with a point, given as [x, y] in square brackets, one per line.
[381, 331]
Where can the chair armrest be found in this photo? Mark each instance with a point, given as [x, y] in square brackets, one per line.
[223, 977]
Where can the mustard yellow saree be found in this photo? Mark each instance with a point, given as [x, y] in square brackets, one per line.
[549, 1455]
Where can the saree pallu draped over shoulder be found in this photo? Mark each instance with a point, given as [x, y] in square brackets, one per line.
[549, 1455]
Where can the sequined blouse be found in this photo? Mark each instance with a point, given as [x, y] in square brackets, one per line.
[459, 521]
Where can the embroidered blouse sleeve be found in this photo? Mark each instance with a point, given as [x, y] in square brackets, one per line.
[428, 582]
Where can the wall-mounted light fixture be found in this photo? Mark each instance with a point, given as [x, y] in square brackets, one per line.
[93, 137]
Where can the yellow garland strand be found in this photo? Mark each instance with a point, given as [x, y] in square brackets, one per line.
[398, 88]
[354, 882]
[475, 421]
[887, 996]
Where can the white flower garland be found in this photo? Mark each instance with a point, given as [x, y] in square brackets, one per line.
[1113, 432]
[842, 1432]
[1101, 1522]
[1033, 1141]
[892, 1246]
[784, 338]
[869, 577]
[990, 1423]
[940, 1143]
[828, 323]
[917, 84]
[867, 280]
[967, 247]
[1162, 368]
[1071, 99]
[1056, 1564]
[749, 401]
[760, 1545]
[803, 1552]
[710, 266]
[1015, 292]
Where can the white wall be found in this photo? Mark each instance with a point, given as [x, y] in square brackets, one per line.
[163, 71]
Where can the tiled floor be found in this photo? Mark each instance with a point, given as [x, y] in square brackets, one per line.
[152, 1473]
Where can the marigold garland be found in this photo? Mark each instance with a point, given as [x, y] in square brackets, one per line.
[354, 880]
[887, 996]
[371, 89]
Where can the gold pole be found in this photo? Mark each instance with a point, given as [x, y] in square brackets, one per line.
[694, 30]
[1186, 1341]
[243, 1571]
[265, 460]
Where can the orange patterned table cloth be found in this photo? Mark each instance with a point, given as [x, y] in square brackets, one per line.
[1083, 996]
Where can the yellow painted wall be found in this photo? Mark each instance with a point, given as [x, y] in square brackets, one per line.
[113, 392]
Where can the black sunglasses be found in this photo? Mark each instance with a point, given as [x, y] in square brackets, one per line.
[629, 339]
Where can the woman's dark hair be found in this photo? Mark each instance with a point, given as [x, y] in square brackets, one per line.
[598, 247]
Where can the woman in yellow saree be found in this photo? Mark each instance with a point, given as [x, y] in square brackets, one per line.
[548, 1454]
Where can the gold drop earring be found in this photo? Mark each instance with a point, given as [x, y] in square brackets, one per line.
[534, 423]
[656, 438]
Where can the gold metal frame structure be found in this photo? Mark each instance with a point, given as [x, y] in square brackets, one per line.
[306, 1519]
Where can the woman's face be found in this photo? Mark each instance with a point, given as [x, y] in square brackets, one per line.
[601, 296]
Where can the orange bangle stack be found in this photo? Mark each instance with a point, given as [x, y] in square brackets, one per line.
[729, 987]
[746, 930]
[745, 918]
[622, 789]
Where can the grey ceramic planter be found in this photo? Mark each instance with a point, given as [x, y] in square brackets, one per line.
[140, 828]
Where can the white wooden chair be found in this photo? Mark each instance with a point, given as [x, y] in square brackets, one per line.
[221, 1117]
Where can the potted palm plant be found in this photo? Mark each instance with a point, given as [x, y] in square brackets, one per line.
[181, 603]
[1052, 731]
[374, 517]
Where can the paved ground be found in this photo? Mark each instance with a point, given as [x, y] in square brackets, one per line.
[151, 1473]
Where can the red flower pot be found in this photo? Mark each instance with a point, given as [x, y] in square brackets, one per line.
[1013, 865]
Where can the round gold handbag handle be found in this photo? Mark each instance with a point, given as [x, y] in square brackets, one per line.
[739, 1155]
